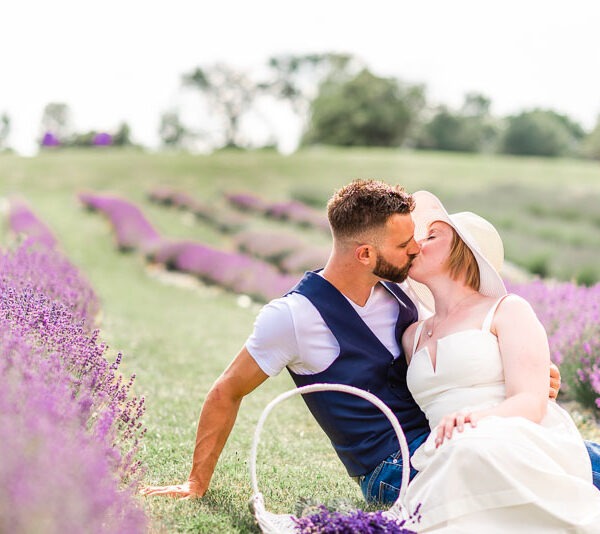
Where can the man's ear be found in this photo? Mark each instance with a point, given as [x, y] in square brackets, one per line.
[364, 254]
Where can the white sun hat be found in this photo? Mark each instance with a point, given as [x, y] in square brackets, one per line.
[478, 234]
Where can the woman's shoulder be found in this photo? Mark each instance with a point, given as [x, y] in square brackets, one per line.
[513, 309]
[513, 302]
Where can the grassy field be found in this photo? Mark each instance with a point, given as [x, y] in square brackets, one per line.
[177, 334]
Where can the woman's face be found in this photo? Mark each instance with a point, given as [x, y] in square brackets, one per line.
[435, 250]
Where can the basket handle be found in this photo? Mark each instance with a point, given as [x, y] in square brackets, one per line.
[397, 506]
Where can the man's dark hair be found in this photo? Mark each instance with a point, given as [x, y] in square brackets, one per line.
[365, 205]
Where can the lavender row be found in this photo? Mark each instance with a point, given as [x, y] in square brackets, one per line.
[236, 272]
[132, 230]
[23, 221]
[70, 427]
[288, 252]
[223, 221]
[233, 271]
[571, 316]
[291, 210]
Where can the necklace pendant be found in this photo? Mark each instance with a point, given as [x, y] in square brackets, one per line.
[429, 333]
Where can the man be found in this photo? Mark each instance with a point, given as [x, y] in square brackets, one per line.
[340, 325]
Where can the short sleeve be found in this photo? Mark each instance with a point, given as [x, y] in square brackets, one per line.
[273, 343]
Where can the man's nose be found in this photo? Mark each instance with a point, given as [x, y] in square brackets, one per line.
[415, 247]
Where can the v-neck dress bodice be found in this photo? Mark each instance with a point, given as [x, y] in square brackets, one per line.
[448, 387]
[507, 474]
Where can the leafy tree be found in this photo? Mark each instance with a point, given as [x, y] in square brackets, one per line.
[230, 95]
[122, 136]
[171, 130]
[365, 110]
[476, 105]
[296, 78]
[449, 131]
[471, 129]
[56, 119]
[539, 132]
[4, 131]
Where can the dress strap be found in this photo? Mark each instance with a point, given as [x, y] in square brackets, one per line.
[417, 335]
[487, 322]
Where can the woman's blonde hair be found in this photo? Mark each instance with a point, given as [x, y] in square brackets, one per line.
[462, 262]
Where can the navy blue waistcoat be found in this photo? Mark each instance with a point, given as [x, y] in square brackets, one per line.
[360, 433]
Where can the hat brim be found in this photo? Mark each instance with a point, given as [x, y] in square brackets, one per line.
[429, 209]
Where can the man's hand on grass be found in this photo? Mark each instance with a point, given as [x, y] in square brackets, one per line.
[187, 490]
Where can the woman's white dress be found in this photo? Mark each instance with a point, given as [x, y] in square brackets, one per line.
[508, 474]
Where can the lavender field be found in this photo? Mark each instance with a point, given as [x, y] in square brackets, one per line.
[156, 265]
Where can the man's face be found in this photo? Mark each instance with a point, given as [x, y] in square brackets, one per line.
[396, 249]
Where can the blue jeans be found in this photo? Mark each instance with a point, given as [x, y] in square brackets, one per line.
[382, 485]
[594, 452]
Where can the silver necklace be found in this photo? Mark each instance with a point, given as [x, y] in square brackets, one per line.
[429, 331]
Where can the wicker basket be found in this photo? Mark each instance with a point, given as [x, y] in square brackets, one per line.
[271, 523]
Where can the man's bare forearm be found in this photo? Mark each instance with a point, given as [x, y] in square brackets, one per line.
[217, 418]
[216, 421]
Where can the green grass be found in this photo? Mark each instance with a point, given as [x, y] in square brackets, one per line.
[177, 338]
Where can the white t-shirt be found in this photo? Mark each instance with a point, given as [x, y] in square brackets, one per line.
[290, 332]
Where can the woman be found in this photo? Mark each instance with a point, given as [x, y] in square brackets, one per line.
[500, 454]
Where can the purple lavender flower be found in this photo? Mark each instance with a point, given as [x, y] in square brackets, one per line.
[270, 246]
[305, 259]
[571, 316]
[358, 521]
[67, 419]
[246, 202]
[102, 139]
[22, 220]
[291, 210]
[132, 230]
[50, 140]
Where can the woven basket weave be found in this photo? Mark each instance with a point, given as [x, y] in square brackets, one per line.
[271, 523]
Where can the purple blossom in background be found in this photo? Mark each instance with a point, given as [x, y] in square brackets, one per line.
[571, 316]
[22, 220]
[291, 210]
[69, 428]
[235, 272]
[247, 202]
[166, 252]
[50, 140]
[131, 229]
[102, 139]
[306, 259]
[49, 273]
[297, 212]
[270, 246]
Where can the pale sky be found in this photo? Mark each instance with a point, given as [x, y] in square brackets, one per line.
[116, 60]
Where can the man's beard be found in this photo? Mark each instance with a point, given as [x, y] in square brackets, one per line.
[384, 269]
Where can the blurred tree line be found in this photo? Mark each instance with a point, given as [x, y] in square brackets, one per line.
[339, 101]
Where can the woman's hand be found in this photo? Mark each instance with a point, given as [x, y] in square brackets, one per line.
[457, 420]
